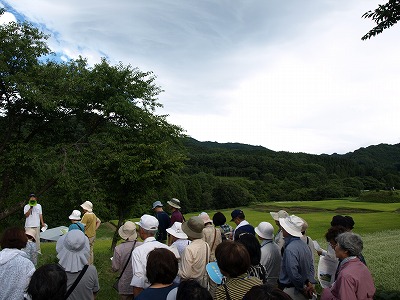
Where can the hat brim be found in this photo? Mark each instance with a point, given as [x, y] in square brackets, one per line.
[173, 204]
[262, 235]
[125, 236]
[274, 215]
[179, 235]
[190, 233]
[288, 229]
[86, 208]
[74, 218]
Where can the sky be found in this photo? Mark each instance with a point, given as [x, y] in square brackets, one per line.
[287, 75]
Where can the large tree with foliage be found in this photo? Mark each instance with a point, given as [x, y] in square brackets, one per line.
[385, 16]
[73, 132]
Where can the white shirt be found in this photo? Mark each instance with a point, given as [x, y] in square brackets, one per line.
[34, 218]
[139, 261]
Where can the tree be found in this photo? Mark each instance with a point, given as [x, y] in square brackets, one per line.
[83, 131]
[385, 16]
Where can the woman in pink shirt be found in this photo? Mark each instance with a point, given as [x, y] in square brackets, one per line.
[354, 281]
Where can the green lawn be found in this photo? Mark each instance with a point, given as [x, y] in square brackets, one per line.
[379, 228]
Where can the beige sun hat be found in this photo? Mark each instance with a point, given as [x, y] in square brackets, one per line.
[87, 205]
[194, 227]
[205, 217]
[280, 214]
[31, 232]
[175, 203]
[127, 231]
[293, 225]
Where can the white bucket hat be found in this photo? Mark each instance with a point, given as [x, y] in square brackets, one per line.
[175, 203]
[265, 230]
[75, 215]
[87, 205]
[128, 231]
[280, 214]
[176, 231]
[292, 224]
[73, 251]
[148, 222]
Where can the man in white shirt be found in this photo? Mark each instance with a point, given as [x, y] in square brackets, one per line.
[34, 218]
[148, 226]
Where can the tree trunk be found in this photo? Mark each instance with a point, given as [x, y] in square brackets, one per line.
[120, 222]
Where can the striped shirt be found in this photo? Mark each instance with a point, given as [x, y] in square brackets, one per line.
[236, 287]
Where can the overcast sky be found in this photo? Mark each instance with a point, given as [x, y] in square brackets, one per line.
[287, 75]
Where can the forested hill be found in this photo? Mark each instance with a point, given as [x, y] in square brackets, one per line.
[260, 174]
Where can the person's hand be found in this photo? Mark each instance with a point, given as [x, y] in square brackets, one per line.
[308, 290]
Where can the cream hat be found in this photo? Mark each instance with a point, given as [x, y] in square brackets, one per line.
[87, 205]
[176, 231]
[128, 231]
[205, 217]
[265, 230]
[75, 215]
[280, 214]
[292, 224]
[31, 232]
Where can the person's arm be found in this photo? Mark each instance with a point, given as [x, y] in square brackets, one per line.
[28, 212]
[115, 262]
[41, 219]
[98, 222]
[137, 291]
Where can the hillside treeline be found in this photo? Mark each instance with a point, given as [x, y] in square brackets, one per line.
[227, 175]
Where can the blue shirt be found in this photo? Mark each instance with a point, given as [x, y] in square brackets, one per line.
[297, 263]
[77, 226]
[155, 294]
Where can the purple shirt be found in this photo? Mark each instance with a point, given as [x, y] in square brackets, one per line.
[176, 216]
[354, 282]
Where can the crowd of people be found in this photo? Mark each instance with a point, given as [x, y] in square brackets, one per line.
[172, 258]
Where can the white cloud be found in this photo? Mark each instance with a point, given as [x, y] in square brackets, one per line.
[288, 75]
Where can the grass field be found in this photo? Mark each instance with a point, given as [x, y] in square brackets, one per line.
[378, 224]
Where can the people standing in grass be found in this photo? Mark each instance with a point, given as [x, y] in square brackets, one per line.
[34, 218]
[30, 248]
[270, 253]
[211, 235]
[279, 236]
[234, 261]
[219, 220]
[242, 225]
[75, 218]
[176, 215]
[122, 259]
[15, 267]
[297, 270]
[91, 223]
[196, 255]
[354, 280]
[148, 226]
[73, 251]
[163, 220]
[177, 239]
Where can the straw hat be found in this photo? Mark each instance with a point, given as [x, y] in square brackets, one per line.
[128, 231]
[73, 251]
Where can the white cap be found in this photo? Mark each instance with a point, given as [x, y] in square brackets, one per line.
[148, 222]
[265, 230]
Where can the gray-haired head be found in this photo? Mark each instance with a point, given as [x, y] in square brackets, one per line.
[351, 242]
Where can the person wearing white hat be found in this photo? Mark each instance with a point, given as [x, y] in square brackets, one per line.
[91, 223]
[278, 236]
[297, 270]
[176, 215]
[177, 239]
[148, 226]
[270, 254]
[122, 259]
[75, 218]
[73, 254]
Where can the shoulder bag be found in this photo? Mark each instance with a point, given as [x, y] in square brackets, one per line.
[115, 285]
